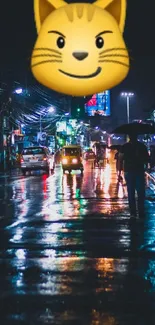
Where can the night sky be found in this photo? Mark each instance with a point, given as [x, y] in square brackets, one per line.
[18, 35]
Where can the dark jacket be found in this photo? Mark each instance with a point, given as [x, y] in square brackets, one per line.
[135, 156]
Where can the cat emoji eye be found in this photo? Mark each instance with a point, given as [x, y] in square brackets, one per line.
[60, 42]
[61, 38]
[99, 42]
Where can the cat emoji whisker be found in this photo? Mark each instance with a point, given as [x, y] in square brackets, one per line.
[115, 61]
[46, 55]
[46, 49]
[43, 62]
[114, 55]
[113, 49]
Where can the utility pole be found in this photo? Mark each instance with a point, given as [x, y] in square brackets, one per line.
[127, 95]
[40, 124]
[5, 125]
[128, 108]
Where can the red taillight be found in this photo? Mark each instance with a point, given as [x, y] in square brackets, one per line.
[21, 160]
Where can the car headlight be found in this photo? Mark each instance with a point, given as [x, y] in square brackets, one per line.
[74, 161]
[64, 161]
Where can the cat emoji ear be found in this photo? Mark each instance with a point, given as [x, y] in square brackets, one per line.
[42, 8]
[117, 8]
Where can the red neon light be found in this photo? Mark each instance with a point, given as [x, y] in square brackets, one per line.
[92, 101]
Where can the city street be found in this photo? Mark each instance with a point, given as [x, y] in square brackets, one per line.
[77, 90]
[69, 252]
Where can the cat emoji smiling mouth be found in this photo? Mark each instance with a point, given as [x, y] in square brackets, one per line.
[92, 75]
[80, 56]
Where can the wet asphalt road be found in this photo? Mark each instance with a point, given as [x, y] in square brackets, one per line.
[69, 253]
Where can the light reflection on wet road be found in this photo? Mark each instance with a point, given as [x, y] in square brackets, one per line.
[70, 253]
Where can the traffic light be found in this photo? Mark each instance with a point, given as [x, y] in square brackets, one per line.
[61, 142]
[77, 108]
[78, 112]
[61, 139]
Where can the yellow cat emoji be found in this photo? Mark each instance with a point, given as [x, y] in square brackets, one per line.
[80, 48]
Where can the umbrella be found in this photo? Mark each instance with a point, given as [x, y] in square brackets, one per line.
[135, 128]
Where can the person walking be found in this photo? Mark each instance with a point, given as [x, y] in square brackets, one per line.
[119, 166]
[135, 158]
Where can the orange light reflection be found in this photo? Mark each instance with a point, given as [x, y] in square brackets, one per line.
[107, 180]
[44, 181]
[120, 191]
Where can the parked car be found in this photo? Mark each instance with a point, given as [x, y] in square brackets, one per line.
[37, 158]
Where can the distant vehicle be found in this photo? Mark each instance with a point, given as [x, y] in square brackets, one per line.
[37, 158]
[71, 158]
[89, 155]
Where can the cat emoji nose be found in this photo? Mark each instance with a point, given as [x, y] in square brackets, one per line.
[80, 55]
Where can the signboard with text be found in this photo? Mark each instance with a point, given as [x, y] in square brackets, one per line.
[99, 104]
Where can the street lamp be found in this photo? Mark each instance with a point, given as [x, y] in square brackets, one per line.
[128, 96]
[51, 109]
[19, 91]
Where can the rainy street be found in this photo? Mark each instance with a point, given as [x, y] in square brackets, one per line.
[69, 252]
[77, 90]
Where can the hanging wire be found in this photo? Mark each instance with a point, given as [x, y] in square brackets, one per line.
[34, 102]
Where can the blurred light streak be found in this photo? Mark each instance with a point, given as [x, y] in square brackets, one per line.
[20, 254]
[105, 265]
[100, 318]
[65, 185]
[44, 180]
[21, 204]
[18, 235]
[74, 184]
[107, 180]
[120, 191]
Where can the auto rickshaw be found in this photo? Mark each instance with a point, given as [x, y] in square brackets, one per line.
[71, 158]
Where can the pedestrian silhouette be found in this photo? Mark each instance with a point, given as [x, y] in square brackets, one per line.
[135, 158]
